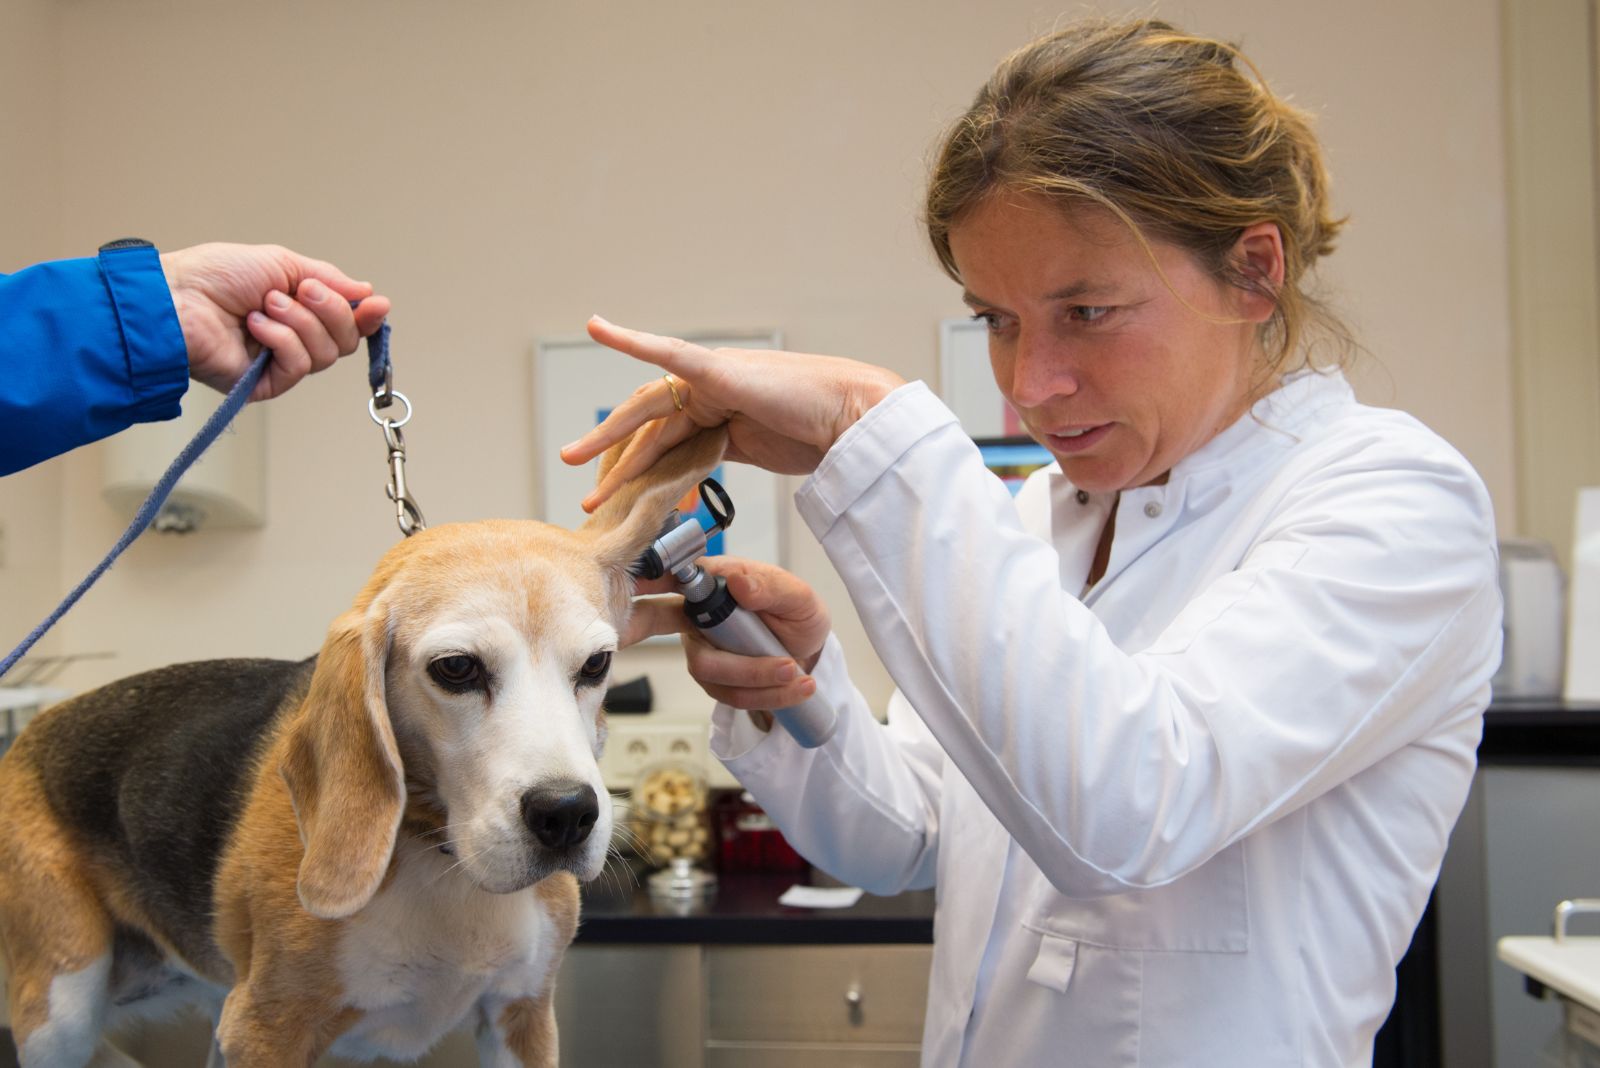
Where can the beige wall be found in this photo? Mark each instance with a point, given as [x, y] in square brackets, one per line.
[1550, 50]
[503, 169]
[30, 502]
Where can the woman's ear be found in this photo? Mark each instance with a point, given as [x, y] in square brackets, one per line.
[343, 769]
[1257, 259]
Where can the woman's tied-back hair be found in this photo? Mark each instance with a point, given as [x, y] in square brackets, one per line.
[1165, 131]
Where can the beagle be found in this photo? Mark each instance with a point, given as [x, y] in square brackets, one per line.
[357, 853]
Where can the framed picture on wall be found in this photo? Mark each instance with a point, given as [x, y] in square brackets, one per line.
[1013, 459]
[575, 385]
[966, 384]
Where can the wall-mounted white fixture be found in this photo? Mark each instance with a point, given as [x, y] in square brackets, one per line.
[226, 487]
[1583, 632]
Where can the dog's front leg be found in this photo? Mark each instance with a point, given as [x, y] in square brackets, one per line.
[275, 1030]
[518, 1032]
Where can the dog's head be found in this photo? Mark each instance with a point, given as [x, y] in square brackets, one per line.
[467, 679]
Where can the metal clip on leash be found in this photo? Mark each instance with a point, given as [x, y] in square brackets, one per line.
[380, 375]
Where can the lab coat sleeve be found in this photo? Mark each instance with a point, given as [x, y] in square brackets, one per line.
[87, 348]
[863, 806]
[1365, 614]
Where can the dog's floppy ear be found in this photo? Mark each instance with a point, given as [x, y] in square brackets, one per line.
[632, 517]
[343, 769]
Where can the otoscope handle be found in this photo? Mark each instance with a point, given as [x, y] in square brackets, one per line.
[739, 630]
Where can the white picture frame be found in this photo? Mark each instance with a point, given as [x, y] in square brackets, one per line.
[576, 380]
[966, 381]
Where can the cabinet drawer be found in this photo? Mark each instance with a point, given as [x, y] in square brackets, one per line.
[636, 1005]
[756, 1055]
[862, 994]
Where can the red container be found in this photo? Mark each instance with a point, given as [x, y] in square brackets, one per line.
[746, 839]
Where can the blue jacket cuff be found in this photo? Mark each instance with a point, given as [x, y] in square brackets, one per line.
[158, 360]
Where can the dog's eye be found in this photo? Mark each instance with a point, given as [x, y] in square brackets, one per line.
[595, 667]
[458, 673]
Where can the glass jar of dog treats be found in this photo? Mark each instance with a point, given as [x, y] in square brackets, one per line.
[670, 814]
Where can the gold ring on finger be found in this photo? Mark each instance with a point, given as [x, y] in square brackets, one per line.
[672, 387]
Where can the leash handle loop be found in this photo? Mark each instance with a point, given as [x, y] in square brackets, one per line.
[231, 405]
[380, 369]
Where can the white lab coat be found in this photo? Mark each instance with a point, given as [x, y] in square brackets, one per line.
[1190, 816]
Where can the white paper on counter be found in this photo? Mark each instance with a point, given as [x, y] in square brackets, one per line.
[820, 897]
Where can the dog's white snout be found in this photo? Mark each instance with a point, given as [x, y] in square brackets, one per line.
[560, 814]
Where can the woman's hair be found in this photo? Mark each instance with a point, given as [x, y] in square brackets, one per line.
[1168, 133]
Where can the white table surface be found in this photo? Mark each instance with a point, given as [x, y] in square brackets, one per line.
[1570, 967]
[29, 696]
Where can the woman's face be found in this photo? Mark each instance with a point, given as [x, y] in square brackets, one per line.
[1118, 372]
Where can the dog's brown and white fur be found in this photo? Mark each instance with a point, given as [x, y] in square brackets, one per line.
[357, 853]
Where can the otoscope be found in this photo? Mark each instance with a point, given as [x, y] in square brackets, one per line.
[711, 608]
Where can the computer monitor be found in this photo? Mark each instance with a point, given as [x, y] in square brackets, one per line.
[1013, 459]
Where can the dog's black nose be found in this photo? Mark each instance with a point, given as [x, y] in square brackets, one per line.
[560, 814]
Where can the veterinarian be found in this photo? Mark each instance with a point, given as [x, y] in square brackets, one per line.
[1180, 733]
[91, 346]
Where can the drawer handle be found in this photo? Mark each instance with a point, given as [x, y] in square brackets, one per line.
[1567, 908]
[852, 997]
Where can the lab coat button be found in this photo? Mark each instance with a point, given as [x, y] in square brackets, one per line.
[1152, 509]
[1083, 497]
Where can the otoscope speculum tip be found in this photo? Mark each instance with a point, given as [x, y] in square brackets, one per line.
[682, 540]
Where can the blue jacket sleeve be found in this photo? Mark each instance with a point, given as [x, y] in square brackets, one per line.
[87, 348]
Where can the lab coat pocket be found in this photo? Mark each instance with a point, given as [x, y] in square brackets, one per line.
[1223, 594]
[1206, 911]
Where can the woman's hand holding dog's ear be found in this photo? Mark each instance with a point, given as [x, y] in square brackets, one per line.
[783, 410]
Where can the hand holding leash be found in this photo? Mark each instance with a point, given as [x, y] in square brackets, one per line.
[233, 300]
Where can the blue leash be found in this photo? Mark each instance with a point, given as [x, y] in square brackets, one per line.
[380, 373]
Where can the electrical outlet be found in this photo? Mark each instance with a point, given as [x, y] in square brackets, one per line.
[632, 746]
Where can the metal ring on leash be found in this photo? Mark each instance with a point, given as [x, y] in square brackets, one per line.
[384, 420]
